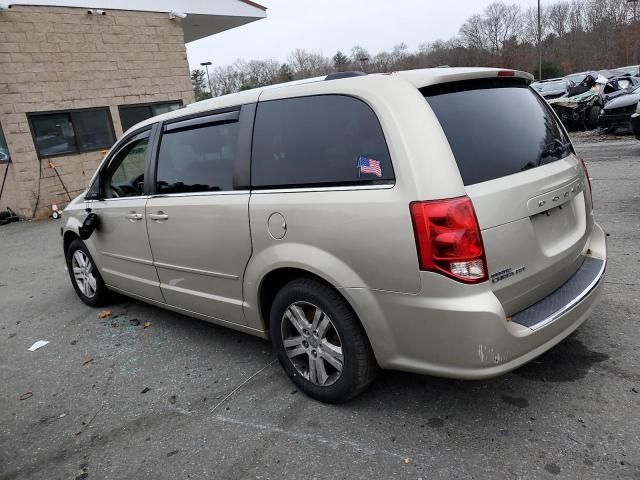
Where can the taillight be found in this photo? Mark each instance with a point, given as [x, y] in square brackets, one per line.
[448, 239]
[586, 174]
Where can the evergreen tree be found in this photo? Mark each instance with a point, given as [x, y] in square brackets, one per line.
[340, 62]
[285, 74]
[199, 84]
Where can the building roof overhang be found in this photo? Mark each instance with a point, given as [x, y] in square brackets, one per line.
[203, 17]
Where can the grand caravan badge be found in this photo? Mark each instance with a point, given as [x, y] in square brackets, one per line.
[506, 273]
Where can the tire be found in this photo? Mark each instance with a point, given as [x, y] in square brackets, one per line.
[339, 335]
[94, 297]
[594, 116]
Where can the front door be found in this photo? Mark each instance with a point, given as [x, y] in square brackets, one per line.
[198, 222]
[120, 242]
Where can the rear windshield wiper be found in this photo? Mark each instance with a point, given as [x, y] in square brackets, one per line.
[557, 149]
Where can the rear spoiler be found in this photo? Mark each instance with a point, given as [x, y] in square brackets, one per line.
[448, 75]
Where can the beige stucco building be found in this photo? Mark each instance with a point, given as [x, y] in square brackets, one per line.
[75, 74]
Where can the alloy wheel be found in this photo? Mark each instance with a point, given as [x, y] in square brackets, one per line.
[312, 343]
[83, 273]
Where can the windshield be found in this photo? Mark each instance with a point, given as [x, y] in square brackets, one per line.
[576, 77]
[624, 83]
[496, 127]
[547, 87]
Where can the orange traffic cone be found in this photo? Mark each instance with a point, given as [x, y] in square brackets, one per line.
[55, 211]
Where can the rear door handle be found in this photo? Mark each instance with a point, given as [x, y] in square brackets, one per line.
[158, 216]
[134, 217]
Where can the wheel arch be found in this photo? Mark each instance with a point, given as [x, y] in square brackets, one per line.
[277, 278]
[68, 237]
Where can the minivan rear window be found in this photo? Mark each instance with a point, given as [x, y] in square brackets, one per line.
[496, 127]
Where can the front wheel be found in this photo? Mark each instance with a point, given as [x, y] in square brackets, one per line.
[593, 117]
[320, 342]
[84, 274]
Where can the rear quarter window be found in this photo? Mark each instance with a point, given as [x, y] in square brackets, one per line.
[318, 141]
[496, 127]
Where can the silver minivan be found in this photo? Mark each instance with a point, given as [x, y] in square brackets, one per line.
[434, 221]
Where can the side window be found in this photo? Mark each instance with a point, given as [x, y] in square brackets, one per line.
[125, 176]
[198, 159]
[320, 140]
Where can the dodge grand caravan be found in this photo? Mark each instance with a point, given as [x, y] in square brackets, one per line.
[434, 221]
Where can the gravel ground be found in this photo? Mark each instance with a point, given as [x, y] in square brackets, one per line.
[185, 399]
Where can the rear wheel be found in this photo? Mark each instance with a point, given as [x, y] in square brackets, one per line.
[84, 274]
[319, 341]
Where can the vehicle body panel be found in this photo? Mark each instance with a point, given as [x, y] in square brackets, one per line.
[200, 251]
[538, 247]
[211, 261]
[617, 112]
[122, 246]
[491, 344]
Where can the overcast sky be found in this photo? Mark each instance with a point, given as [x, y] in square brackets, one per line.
[327, 26]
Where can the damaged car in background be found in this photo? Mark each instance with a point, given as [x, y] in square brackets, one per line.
[617, 114]
[580, 107]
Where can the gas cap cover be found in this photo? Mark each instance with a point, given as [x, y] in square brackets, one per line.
[277, 226]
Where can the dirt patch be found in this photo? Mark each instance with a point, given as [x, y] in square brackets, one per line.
[593, 136]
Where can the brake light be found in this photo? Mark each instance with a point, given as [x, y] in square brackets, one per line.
[586, 174]
[506, 73]
[448, 239]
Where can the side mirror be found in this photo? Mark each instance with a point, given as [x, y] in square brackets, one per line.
[88, 226]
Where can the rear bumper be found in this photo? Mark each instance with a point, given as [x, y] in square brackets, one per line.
[635, 125]
[468, 335]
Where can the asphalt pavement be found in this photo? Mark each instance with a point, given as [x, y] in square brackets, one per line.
[150, 394]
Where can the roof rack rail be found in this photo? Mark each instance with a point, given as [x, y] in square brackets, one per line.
[339, 75]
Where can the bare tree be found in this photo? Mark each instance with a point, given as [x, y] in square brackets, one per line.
[557, 18]
[474, 33]
[502, 23]
[360, 56]
[308, 64]
[529, 26]
[577, 35]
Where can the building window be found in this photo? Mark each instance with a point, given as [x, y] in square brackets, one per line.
[76, 131]
[132, 114]
[5, 156]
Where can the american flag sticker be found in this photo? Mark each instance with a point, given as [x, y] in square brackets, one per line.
[369, 165]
